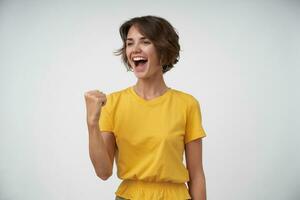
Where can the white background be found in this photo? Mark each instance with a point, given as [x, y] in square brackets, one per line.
[240, 59]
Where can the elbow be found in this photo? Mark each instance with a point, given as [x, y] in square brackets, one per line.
[104, 176]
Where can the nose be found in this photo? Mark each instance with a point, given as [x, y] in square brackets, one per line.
[136, 48]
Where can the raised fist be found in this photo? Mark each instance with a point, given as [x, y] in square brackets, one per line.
[94, 100]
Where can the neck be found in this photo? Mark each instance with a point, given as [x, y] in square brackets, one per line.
[148, 89]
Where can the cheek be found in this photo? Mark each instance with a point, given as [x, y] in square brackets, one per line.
[154, 57]
[154, 53]
[127, 56]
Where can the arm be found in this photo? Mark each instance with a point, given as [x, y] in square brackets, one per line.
[101, 150]
[101, 144]
[193, 153]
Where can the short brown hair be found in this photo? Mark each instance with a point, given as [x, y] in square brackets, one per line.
[160, 32]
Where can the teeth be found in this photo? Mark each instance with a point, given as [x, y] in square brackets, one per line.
[138, 58]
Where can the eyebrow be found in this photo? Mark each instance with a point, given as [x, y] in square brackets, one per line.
[141, 38]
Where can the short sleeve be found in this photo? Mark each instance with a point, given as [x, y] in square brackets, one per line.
[194, 129]
[106, 120]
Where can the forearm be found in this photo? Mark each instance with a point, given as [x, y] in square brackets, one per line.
[98, 153]
[197, 187]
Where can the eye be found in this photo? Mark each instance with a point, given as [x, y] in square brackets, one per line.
[147, 42]
[129, 44]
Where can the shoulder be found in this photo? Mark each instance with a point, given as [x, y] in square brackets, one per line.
[185, 97]
[118, 93]
[115, 96]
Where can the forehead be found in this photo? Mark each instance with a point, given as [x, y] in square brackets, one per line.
[134, 32]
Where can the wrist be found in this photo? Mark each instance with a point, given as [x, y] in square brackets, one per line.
[92, 124]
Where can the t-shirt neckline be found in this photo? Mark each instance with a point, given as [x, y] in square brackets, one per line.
[153, 101]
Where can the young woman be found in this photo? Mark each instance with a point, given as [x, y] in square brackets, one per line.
[148, 126]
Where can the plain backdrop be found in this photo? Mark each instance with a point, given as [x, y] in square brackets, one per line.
[240, 59]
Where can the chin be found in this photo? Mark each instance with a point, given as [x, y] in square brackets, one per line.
[141, 74]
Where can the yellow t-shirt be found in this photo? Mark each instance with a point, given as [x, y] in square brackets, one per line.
[150, 137]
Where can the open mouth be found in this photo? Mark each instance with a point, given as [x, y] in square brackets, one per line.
[139, 61]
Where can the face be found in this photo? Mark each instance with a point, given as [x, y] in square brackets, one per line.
[142, 55]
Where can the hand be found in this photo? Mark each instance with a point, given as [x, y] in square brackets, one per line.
[94, 100]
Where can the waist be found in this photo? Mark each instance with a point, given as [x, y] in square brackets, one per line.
[138, 189]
